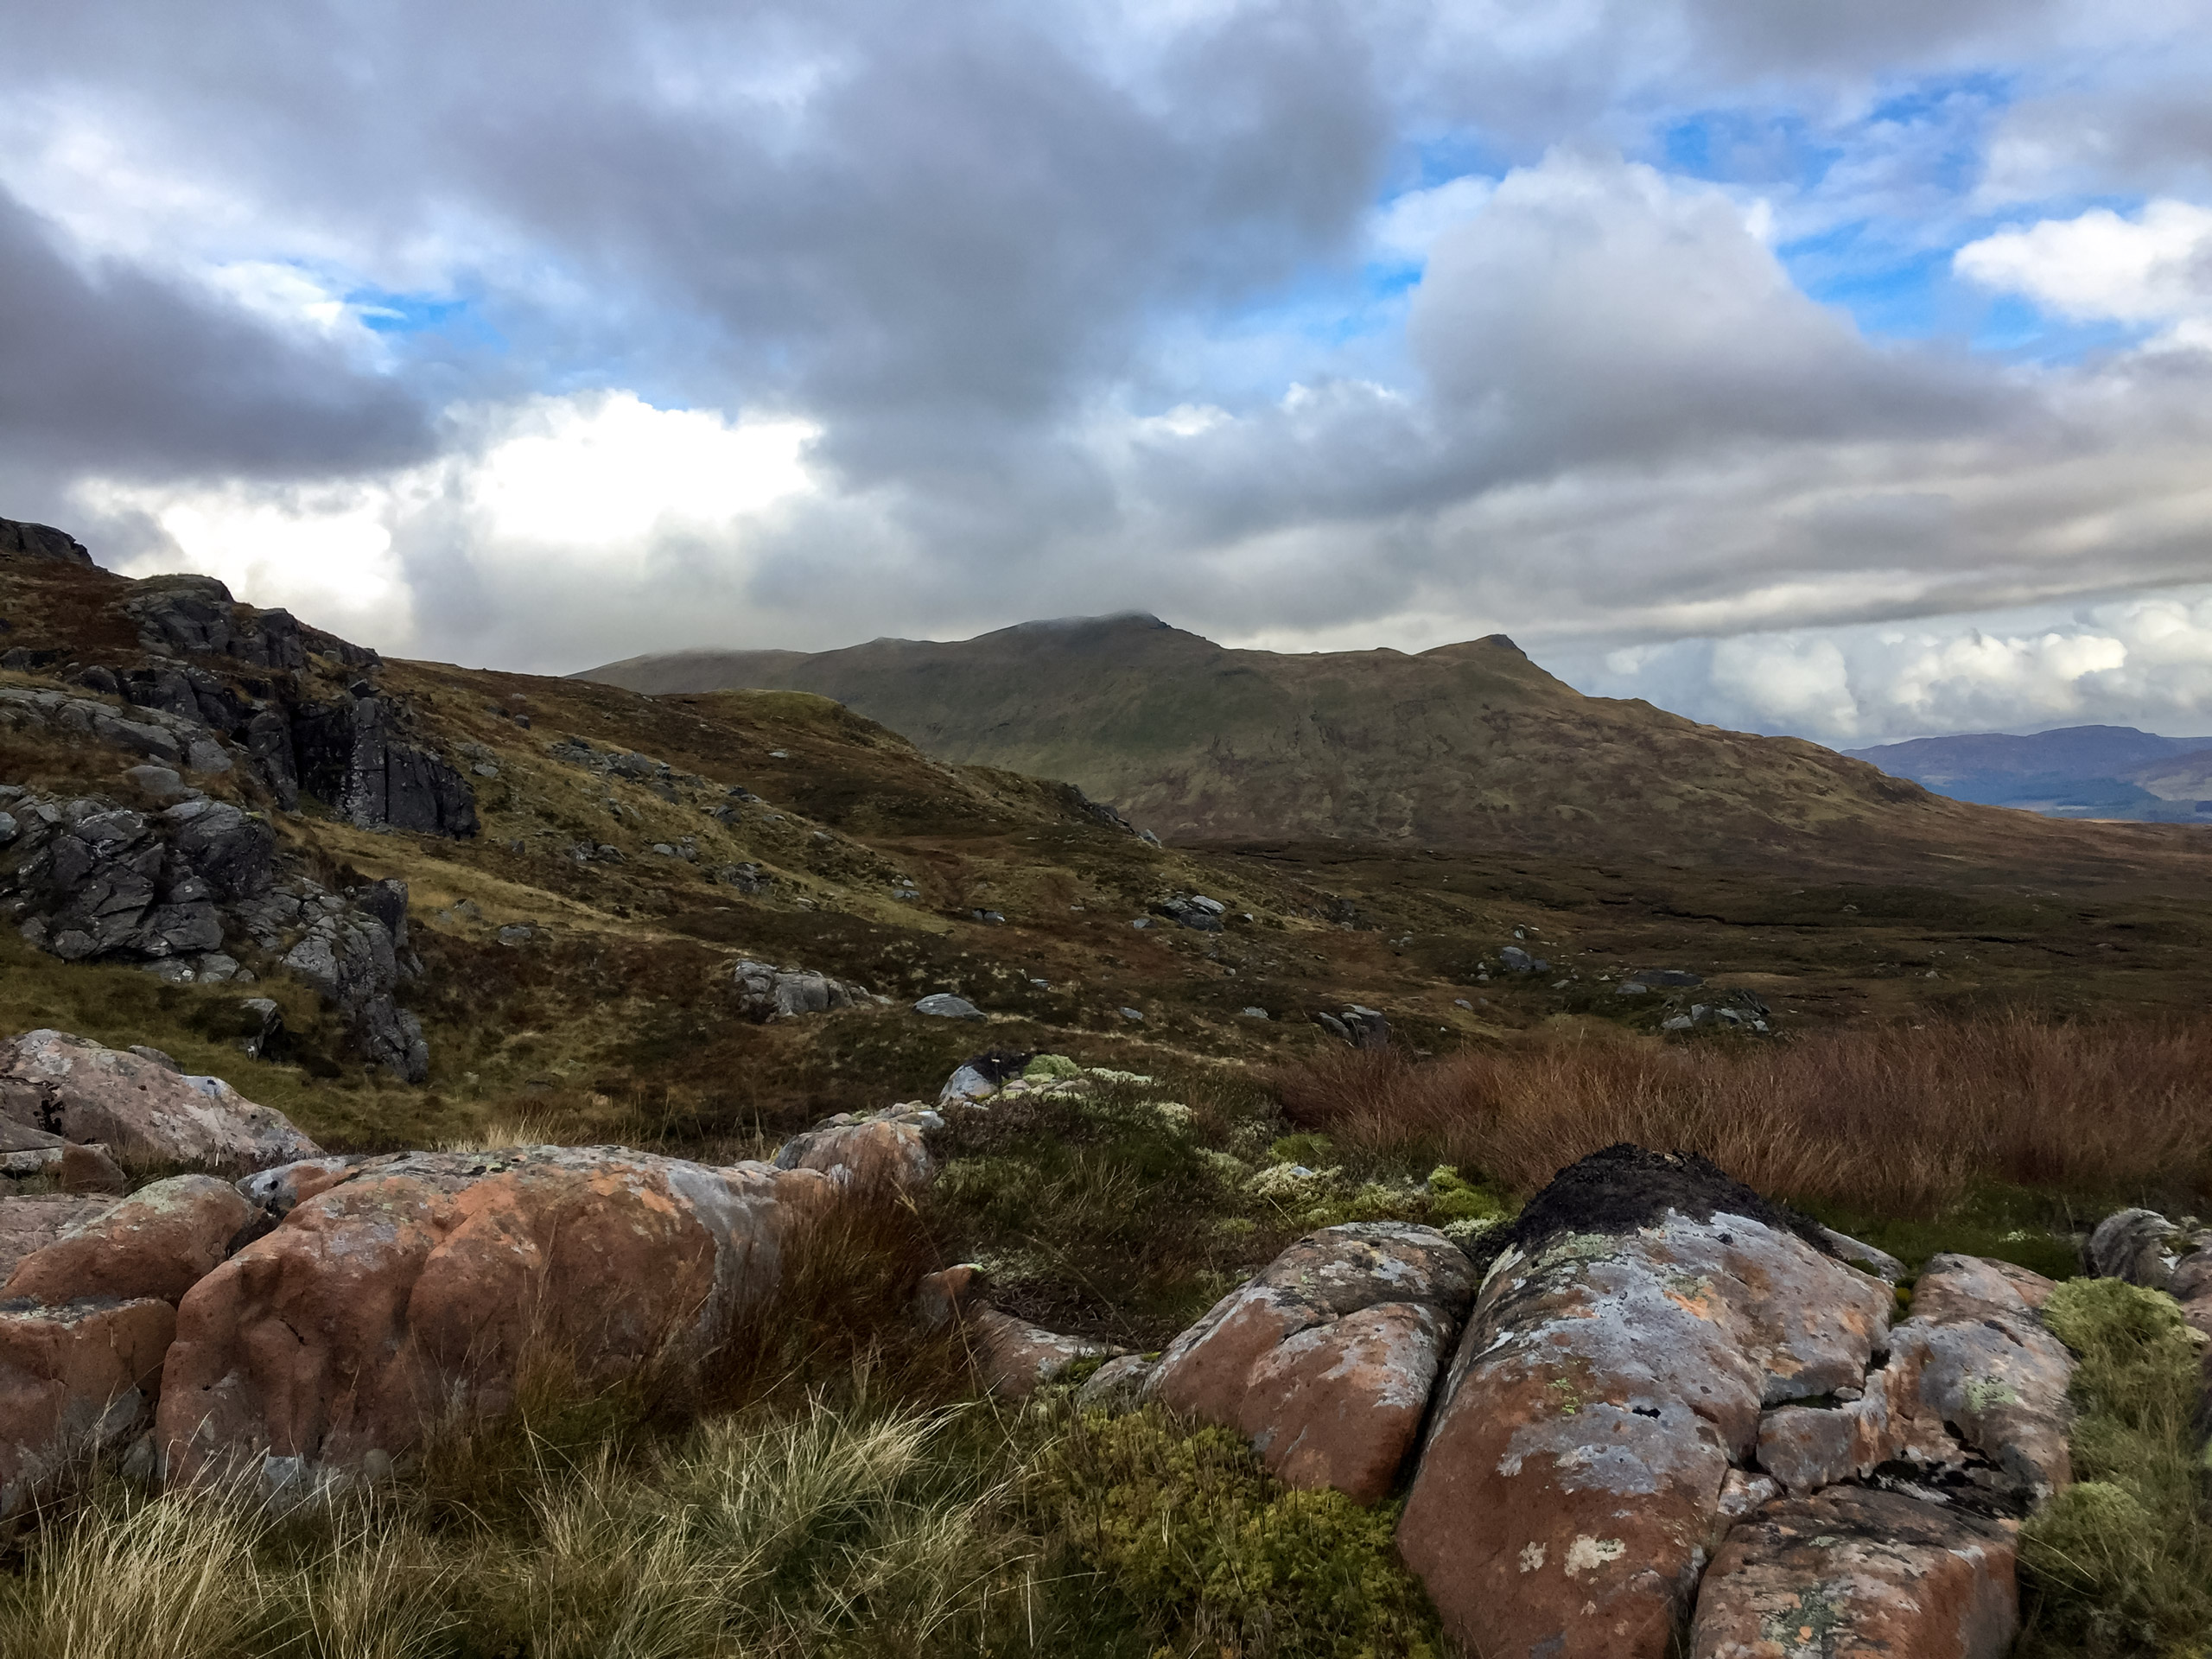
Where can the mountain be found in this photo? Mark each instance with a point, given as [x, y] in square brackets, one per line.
[1462, 744]
[2075, 772]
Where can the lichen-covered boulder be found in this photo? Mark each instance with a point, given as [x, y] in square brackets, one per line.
[159, 1241]
[33, 1221]
[1326, 1359]
[1614, 1368]
[1015, 1356]
[425, 1283]
[1972, 1372]
[1855, 1572]
[870, 1150]
[2140, 1245]
[140, 1107]
[75, 1380]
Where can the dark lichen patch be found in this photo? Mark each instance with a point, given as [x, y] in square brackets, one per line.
[1623, 1187]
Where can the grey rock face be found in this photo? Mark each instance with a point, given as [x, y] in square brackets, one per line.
[2139, 1246]
[187, 616]
[766, 993]
[354, 951]
[29, 541]
[945, 1006]
[352, 755]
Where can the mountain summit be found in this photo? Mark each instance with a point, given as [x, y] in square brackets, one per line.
[1461, 744]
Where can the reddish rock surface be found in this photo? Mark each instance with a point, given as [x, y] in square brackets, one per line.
[159, 1241]
[33, 1222]
[1575, 1471]
[1854, 1573]
[138, 1107]
[73, 1380]
[882, 1150]
[1015, 1356]
[424, 1282]
[1326, 1361]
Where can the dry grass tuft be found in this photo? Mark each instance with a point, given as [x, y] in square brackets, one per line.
[1896, 1120]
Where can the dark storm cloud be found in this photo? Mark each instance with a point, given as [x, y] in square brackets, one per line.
[109, 367]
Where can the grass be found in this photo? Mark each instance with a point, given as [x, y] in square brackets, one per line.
[2121, 1563]
[1888, 1121]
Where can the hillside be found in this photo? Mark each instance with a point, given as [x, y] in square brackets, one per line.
[2075, 772]
[1456, 746]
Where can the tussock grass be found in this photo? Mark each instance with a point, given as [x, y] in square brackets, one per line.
[1895, 1120]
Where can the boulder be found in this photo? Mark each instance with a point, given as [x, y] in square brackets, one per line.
[1971, 1372]
[89, 1169]
[945, 1006]
[766, 993]
[1325, 1360]
[1854, 1571]
[1016, 1357]
[139, 1108]
[1615, 1366]
[2136, 1245]
[158, 1243]
[33, 1222]
[877, 1150]
[424, 1284]
[1118, 1385]
[75, 1380]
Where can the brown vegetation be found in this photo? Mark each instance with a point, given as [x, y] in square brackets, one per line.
[1901, 1121]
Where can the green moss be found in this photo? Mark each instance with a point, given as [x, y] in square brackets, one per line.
[1311, 1150]
[1453, 1197]
[2121, 1562]
[1187, 1525]
[1050, 1068]
[2008, 1223]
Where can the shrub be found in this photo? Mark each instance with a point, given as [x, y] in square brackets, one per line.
[1188, 1525]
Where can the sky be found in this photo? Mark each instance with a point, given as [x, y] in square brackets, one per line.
[1837, 369]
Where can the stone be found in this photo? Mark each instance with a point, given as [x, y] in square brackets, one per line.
[89, 1169]
[33, 1222]
[160, 782]
[983, 1076]
[159, 1241]
[1118, 1385]
[1015, 1356]
[1973, 1370]
[84, 1092]
[884, 1151]
[945, 1006]
[1880, 1263]
[1614, 1368]
[946, 1296]
[423, 1284]
[1326, 1358]
[29, 541]
[353, 755]
[1851, 1573]
[2136, 1245]
[75, 1380]
[767, 993]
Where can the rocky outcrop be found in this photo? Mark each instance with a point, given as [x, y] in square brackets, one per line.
[422, 1283]
[354, 949]
[1854, 1571]
[354, 755]
[2140, 1245]
[150, 734]
[141, 1108]
[33, 1221]
[1974, 1392]
[1616, 1363]
[1325, 1360]
[28, 541]
[766, 993]
[886, 1150]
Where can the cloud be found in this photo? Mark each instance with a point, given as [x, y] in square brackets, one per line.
[2153, 267]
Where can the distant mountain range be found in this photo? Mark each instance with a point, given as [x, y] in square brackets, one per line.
[1462, 744]
[2077, 771]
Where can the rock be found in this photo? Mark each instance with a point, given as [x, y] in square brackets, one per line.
[354, 951]
[422, 1284]
[945, 1006]
[161, 782]
[1973, 1369]
[516, 933]
[74, 1380]
[89, 1169]
[352, 755]
[1614, 1367]
[1853, 1572]
[1361, 1026]
[984, 1076]
[28, 541]
[1015, 1356]
[1325, 1360]
[196, 616]
[159, 1241]
[879, 1151]
[1118, 1385]
[766, 993]
[1197, 913]
[946, 1296]
[1880, 1263]
[2136, 1245]
[262, 1033]
[34, 1221]
[67, 1085]
[1253, 1014]
[1517, 961]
